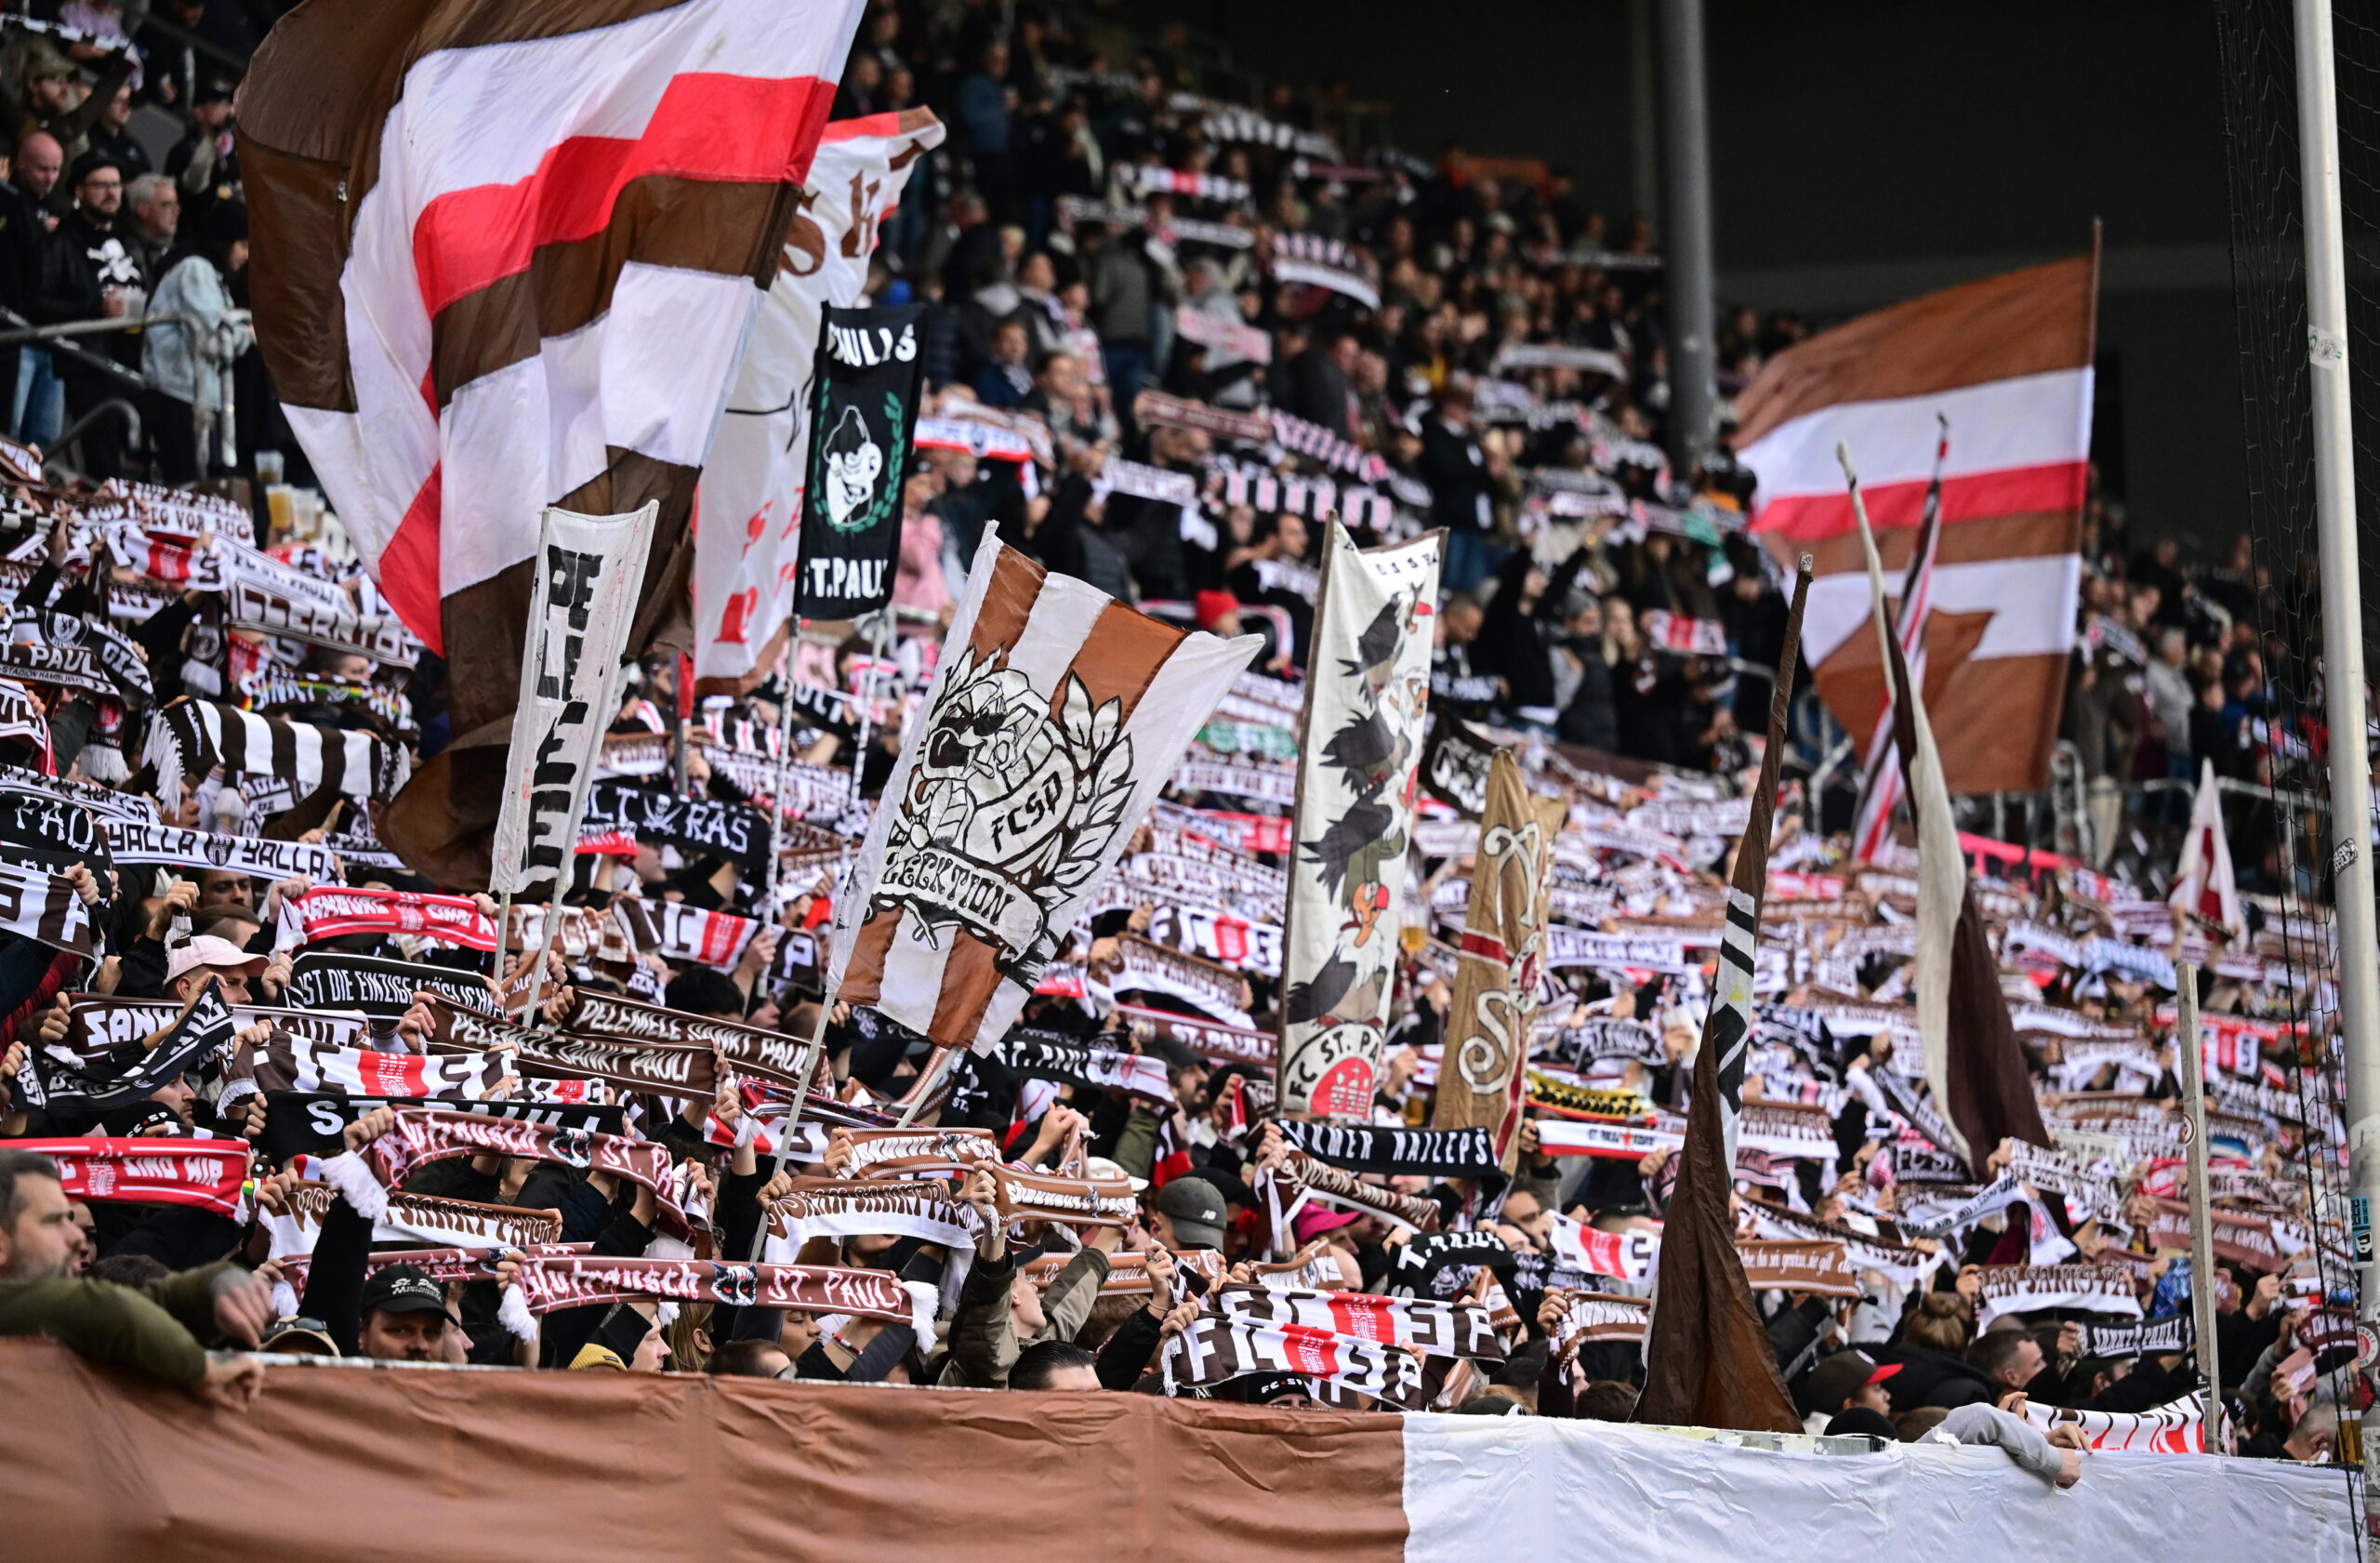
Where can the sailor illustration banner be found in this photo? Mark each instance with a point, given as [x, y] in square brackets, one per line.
[585, 593]
[750, 500]
[1055, 717]
[1366, 697]
[863, 405]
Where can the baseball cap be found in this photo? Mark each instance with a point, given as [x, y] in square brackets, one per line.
[404, 1289]
[1195, 1209]
[1862, 1419]
[208, 950]
[1845, 1374]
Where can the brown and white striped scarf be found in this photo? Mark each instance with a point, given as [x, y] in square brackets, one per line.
[578, 1280]
[771, 1055]
[665, 1068]
[42, 907]
[421, 1135]
[875, 1207]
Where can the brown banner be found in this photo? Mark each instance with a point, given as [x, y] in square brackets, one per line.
[557, 1467]
[665, 1068]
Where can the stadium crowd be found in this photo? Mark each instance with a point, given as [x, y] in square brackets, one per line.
[1466, 344]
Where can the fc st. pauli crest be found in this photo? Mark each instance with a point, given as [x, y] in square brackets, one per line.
[1008, 811]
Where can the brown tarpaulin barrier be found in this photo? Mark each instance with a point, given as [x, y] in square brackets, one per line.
[427, 1466]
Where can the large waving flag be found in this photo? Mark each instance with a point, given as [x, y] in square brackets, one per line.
[2007, 360]
[1055, 718]
[508, 257]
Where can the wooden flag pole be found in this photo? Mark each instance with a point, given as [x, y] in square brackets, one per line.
[785, 763]
[2194, 1071]
[793, 1115]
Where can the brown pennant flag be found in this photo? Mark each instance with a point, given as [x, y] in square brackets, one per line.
[1495, 983]
[1709, 1363]
[1973, 1060]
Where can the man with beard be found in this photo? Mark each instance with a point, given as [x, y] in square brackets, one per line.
[153, 1329]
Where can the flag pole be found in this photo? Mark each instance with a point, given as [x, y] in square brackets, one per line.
[793, 1114]
[785, 763]
[2343, 675]
[2193, 1063]
[867, 700]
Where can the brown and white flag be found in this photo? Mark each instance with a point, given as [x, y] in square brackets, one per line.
[1055, 718]
[1707, 1362]
[507, 257]
[1976, 1068]
[1496, 977]
[2008, 360]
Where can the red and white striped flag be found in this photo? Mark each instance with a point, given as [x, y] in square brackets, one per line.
[1055, 718]
[508, 257]
[1880, 780]
[2205, 887]
[2007, 360]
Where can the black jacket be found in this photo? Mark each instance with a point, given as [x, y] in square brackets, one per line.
[1932, 1378]
[1457, 472]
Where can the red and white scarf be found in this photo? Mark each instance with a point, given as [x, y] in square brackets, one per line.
[1216, 1350]
[335, 911]
[206, 1174]
[1444, 1328]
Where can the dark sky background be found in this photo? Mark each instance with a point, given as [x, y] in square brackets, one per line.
[1863, 153]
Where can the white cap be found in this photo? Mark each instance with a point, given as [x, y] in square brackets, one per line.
[214, 953]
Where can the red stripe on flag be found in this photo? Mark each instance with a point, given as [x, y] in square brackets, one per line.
[1486, 946]
[1812, 518]
[707, 126]
[408, 571]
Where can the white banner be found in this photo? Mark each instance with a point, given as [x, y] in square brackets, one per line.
[589, 569]
[1368, 694]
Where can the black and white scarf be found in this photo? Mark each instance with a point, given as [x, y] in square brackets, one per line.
[258, 605]
[65, 667]
[1171, 181]
[1309, 438]
[1427, 1153]
[94, 1073]
[1216, 1350]
[131, 840]
[1334, 264]
[1443, 1328]
[695, 826]
[40, 905]
[1239, 483]
[321, 980]
[192, 738]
